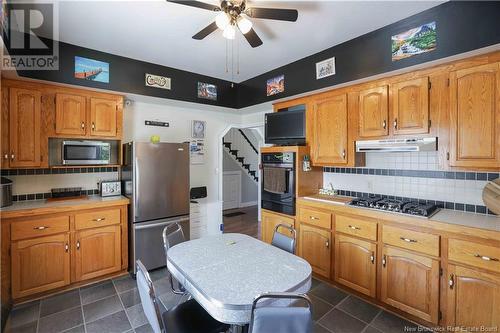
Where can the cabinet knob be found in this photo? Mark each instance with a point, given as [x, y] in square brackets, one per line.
[372, 257]
[93, 126]
[12, 156]
[451, 281]
[83, 125]
[396, 123]
[78, 245]
[384, 124]
[343, 154]
[384, 261]
[327, 244]
[66, 247]
[6, 156]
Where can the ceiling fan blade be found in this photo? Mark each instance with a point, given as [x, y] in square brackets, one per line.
[197, 4]
[206, 31]
[273, 14]
[252, 38]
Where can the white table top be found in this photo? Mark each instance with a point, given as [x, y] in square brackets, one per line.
[224, 273]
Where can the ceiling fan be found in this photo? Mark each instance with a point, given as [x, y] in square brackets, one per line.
[234, 14]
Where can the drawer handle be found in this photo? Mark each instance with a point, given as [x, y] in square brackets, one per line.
[396, 123]
[485, 257]
[99, 219]
[313, 218]
[353, 227]
[384, 261]
[78, 245]
[408, 240]
[372, 257]
[384, 124]
[41, 228]
[93, 126]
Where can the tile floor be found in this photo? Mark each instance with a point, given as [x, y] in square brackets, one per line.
[114, 306]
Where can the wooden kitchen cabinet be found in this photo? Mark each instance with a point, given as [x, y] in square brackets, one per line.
[475, 117]
[103, 117]
[315, 247]
[24, 127]
[269, 221]
[40, 264]
[330, 131]
[98, 252]
[410, 106]
[410, 282]
[355, 264]
[71, 115]
[373, 112]
[473, 298]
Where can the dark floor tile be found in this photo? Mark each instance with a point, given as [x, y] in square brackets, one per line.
[61, 321]
[328, 293]
[124, 283]
[25, 328]
[340, 322]
[144, 329]
[359, 309]
[102, 308]
[320, 308]
[315, 283]
[130, 298]
[115, 323]
[93, 293]
[389, 323]
[136, 316]
[60, 302]
[78, 329]
[371, 329]
[24, 314]
[317, 328]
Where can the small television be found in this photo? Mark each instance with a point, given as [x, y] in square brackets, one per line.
[286, 127]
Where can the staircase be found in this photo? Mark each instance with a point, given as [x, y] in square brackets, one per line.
[241, 148]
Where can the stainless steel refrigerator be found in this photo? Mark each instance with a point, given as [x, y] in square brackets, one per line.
[155, 177]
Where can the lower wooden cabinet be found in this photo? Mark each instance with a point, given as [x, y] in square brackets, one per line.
[315, 247]
[98, 252]
[355, 264]
[40, 264]
[269, 221]
[410, 282]
[473, 298]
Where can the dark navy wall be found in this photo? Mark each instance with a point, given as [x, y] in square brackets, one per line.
[461, 27]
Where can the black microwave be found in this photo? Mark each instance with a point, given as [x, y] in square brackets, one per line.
[287, 127]
[85, 152]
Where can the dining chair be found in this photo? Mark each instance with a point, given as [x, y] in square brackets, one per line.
[267, 316]
[282, 241]
[187, 317]
[173, 235]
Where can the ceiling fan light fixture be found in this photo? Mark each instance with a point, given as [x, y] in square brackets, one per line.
[229, 32]
[244, 24]
[222, 20]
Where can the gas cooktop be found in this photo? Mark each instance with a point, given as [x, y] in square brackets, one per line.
[396, 206]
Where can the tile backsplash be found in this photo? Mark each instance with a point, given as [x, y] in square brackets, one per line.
[411, 175]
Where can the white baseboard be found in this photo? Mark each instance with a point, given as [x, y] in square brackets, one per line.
[248, 204]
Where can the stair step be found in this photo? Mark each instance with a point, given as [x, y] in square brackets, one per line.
[246, 166]
[240, 159]
[256, 179]
[233, 151]
[227, 144]
[252, 173]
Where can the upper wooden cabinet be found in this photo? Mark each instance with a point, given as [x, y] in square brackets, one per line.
[373, 112]
[103, 117]
[71, 115]
[475, 117]
[330, 136]
[410, 106]
[24, 127]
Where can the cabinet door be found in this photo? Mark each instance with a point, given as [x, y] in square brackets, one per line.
[4, 128]
[355, 264]
[410, 106]
[24, 129]
[98, 252]
[410, 283]
[70, 114]
[373, 112]
[475, 117]
[103, 117]
[314, 246]
[473, 298]
[270, 221]
[330, 131]
[40, 264]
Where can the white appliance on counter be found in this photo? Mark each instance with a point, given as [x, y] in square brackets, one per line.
[396, 145]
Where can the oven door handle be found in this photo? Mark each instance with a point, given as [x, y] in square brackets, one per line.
[278, 165]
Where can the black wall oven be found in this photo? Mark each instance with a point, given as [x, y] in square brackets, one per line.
[278, 182]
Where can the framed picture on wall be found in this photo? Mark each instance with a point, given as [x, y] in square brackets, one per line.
[325, 68]
[198, 129]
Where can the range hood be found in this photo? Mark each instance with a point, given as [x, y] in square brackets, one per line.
[396, 145]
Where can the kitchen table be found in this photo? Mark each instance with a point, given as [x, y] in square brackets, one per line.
[224, 273]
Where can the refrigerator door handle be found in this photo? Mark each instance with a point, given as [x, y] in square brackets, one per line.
[159, 224]
[136, 184]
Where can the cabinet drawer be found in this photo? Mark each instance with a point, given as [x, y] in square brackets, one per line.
[356, 227]
[313, 217]
[474, 254]
[39, 227]
[97, 218]
[412, 240]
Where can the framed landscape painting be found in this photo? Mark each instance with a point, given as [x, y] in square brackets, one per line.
[414, 41]
[90, 69]
[207, 91]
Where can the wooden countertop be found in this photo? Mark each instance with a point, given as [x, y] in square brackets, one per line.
[39, 207]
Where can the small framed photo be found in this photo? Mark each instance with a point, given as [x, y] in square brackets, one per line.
[325, 68]
[198, 129]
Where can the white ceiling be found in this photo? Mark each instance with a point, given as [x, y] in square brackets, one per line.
[160, 32]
